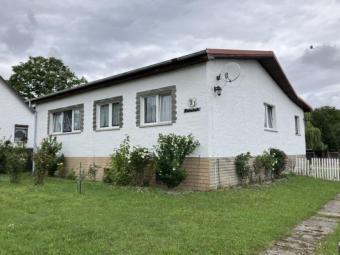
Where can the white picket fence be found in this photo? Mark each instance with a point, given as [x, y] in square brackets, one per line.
[321, 168]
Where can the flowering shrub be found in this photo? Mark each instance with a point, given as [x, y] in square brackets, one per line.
[170, 153]
[263, 165]
[47, 159]
[280, 163]
[242, 166]
[127, 165]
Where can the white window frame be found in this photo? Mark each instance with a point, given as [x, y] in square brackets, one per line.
[73, 131]
[297, 125]
[158, 116]
[266, 127]
[110, 127]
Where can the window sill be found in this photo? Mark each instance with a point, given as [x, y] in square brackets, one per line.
[66, 133]
[107, 129]
[168, 123]
[297, 134]
[271, 130]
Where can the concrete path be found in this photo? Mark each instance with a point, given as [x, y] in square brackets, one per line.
[307, 235]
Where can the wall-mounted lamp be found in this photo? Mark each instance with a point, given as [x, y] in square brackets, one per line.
[218, 90]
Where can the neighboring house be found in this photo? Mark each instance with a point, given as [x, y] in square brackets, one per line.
[17, 118]
[257, 111]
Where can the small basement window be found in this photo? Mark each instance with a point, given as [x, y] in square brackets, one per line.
[20, 133]
[269, 117]
[66, 120]
[297, 125]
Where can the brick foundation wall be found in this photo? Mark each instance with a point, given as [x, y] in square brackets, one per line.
[203, 173]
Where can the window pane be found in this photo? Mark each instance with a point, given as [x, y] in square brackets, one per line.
[165, 108]
[57, 122]
[297, 125]
[270, 116]
[67, 121]
[115, 114]
[104, 115]
[76, 115]
[150, 109]
[20, 134]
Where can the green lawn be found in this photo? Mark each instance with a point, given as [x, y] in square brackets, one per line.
[330, 245]
[54, 219]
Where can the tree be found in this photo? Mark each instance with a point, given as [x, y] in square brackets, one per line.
[313, 135]
[327, 120]
[40, 76]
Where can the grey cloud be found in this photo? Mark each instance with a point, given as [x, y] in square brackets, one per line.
[102, 38]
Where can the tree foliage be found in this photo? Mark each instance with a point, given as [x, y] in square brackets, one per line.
[327, 120]
[313, 135]
[40, 76]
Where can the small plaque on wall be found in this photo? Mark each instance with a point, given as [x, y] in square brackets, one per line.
[196, 109]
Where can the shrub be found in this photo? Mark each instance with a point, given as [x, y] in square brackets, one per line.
[280, 161]
[47, 160]
[242, 166]
[92, 172]
[139, 160]
[16, 159]
[263, 165]
[170, 153]
[71, 174]
[127, 165]
[4, 145]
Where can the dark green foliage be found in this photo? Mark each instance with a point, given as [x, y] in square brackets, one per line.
[40, 76]
[313, 135]
[47, 159]
[263, 166]
[242, 166]
[127, 165]
[280, 161]
[92, 172]
[13, 159]
[170, 153]
[327, 119]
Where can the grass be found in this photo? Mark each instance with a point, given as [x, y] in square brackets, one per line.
[330, 245]
[54, 219]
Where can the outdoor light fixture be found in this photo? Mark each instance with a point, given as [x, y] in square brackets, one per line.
[218, 90]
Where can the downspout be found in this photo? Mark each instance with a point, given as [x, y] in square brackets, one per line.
[34, 137]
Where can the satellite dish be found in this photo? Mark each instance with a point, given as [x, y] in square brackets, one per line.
[230, 72]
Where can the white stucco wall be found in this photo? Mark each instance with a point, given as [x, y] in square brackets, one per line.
[190, 82]
[237, 116]
[226, 126]
[13, 111]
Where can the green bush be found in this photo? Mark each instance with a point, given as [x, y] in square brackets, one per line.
[263, 165]
[13, 159]
[92, 172]
[47, 159]
[242, 166]
[170, 153]
[16, 159]
[280, 161]
[127, 165]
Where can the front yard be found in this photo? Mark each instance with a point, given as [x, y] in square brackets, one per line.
[54, 219]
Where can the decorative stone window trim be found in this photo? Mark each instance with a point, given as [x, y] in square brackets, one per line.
[170, 90]
[111, 100]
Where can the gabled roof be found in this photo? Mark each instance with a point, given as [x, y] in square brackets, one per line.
[266, 58]
[16, 94]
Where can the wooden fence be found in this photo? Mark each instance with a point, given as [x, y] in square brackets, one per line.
[321, 168]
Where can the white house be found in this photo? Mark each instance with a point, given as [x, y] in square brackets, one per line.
[257, 111]
[17, 119]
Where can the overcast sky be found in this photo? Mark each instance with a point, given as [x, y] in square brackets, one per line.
[101, 38]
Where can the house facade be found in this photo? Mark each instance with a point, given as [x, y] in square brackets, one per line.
[259, 110]
[17, 119]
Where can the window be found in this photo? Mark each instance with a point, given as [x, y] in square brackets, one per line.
[66, 120]
[20, 133]
[297, 125]
[156, 107]
[269, 117]
[108, 113]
